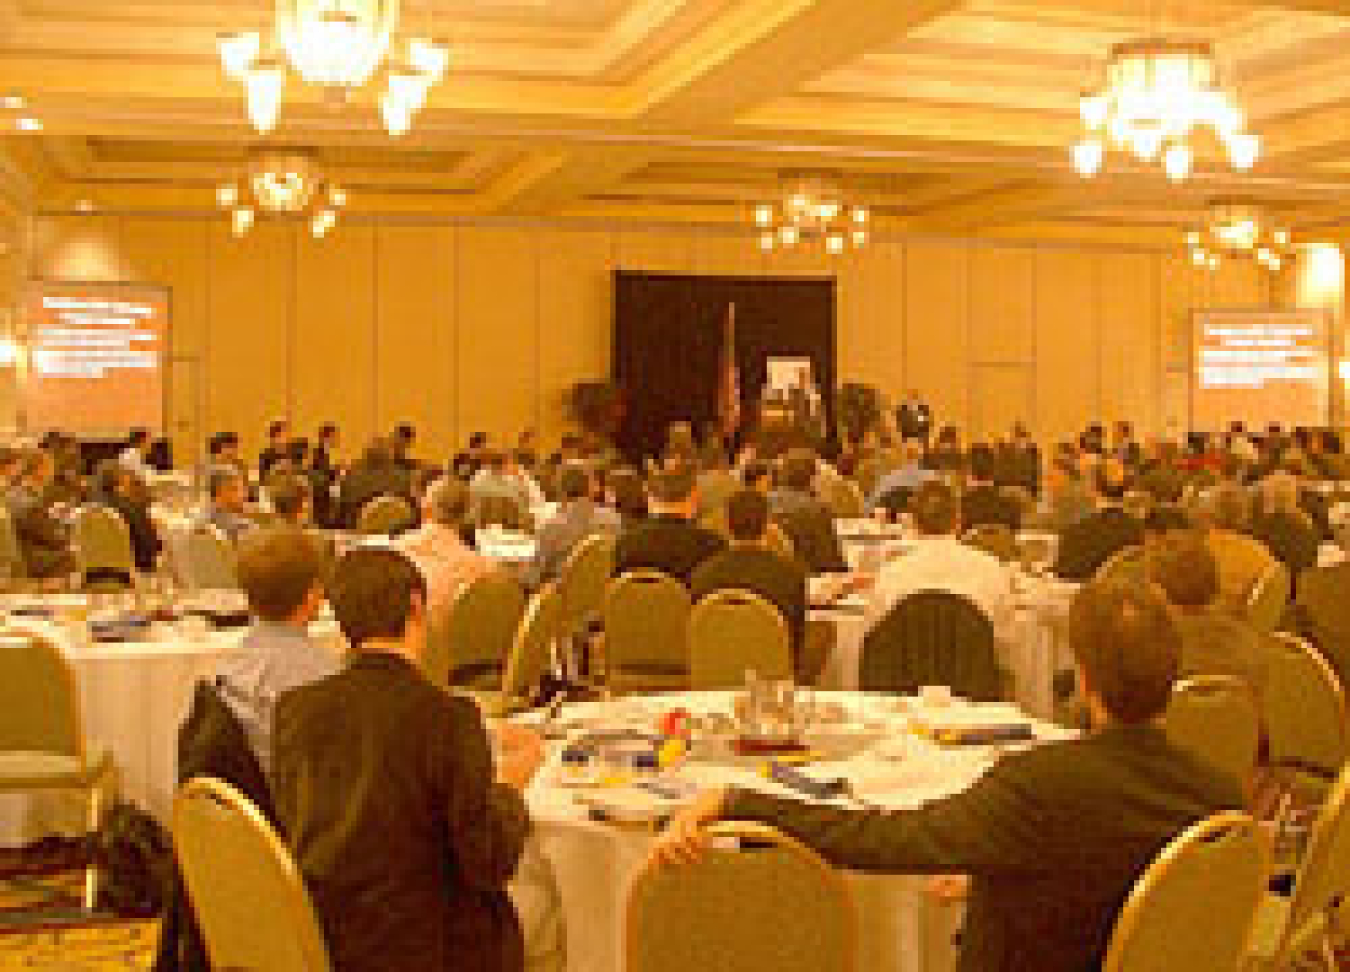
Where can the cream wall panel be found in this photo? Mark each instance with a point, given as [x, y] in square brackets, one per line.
[1180, 288]
[1068, 382]
[1002, 305]
[249, 302]
[173, 254]
[871, 316]
[935, 328]
[652, 251]
[1130, 348]
[415, 339]
[575, 317]
[728, 255]
[498, 347]
[333, 349]
[1000, 395]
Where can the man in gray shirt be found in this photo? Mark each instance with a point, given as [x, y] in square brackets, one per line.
[280, 571]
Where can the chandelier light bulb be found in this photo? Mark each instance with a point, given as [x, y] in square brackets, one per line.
[409, 88]
[240, 220]
[764, 215]
[1243, 151]
[396, 114]
[28, 124]
[766, 241]
[1094, 110]
[238, 52]
[1146, 142]
[860, 215]
[1281, 238]
[227, 194]
[788, 235]
[1087, 158]
[860, 238]
[799, 201]
[834, 243]
[263, 86]
[1214, 261]
[337, 196]
[429, 57]
[1199, 257]
[12, 102]
[1177, 162]
[828, 211]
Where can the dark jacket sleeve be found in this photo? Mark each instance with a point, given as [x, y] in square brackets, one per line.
[488, 821]
[991, 828]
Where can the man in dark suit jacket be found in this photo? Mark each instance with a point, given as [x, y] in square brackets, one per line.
[44, 540]
[808, 522]
[375, 475]
[386, 790]
[278, 431]
[914, 418]
[984, 504]
[1019, 463]
[750, 566]
[1052, 838]
[1086, 545]
[669, 541]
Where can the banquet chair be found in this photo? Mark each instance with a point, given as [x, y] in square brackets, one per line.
[1269, 598]
[210, 559]
[1290, 930]
[1128, 563]
[530, 657]
[468, 644]
[646, 619]
[1218, 720]
[755, 900]
[1194, 907]
[246, 891]
[501, 511]
[932, 637]
[1304, 712]
[582, 581]
[103, 545]
[385, 514]
[841, 495]
[732, 632]
[994, 539]
[11, 554]
[42, 742]
[1322, 614]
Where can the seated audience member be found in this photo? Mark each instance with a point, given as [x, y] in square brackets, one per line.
[903, 481]
[467, 463]
[946, 455]
[750, 565]
[500, 476]
[808, 523]
[401, 446]
[1163, 521]
[227, 509]
[437, 547]
[626, 494]
[280, 570]
[1242, 559]
[375, 475]
[124, 492]
[669, 541]
[44, 540]
[68, 486]
[405, 833]
[323, 472]
[135, 457]
[984, 504]
[577, 518]
[292, 499]
[1214, 641]
[278, 432]
[1283, 528]
[716, 484]
[222, 452]
[1019, 463]
[940, 561]
[1052, 838]
[1086, 545]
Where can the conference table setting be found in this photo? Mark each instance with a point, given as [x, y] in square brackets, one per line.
[136, 661]
[616, 769]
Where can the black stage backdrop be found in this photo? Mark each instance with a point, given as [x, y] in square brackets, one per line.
[668, 336]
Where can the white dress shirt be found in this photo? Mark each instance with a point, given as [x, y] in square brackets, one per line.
[943, 563]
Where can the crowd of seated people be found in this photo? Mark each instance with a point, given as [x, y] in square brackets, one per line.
[406, 827]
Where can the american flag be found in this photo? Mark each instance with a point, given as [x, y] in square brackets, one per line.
[729, 395]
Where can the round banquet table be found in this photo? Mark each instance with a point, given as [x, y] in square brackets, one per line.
[900, 927]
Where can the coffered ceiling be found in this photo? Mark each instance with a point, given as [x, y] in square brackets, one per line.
[945, 115]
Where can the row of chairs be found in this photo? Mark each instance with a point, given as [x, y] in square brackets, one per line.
[1202, 903]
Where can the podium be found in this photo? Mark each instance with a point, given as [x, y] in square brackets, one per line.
[785, 424]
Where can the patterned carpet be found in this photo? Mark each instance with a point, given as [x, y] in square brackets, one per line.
[42, 925]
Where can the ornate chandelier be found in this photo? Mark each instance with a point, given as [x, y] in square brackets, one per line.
[812, 210]
[339, 46]
[1240, 231]
[1156, 95]
[282, 183]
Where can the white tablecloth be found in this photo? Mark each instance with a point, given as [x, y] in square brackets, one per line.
[133, 697]
[901, 929]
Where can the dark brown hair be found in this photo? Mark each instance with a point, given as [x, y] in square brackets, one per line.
[277, 570]
[372, 593]
[1123, 635]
